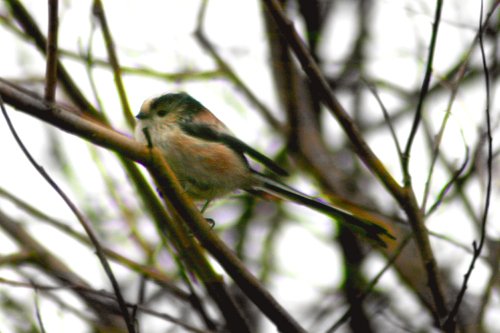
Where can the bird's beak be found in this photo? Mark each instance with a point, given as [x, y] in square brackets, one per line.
[142, 115]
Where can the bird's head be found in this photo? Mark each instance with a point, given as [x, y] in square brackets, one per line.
[169, 108]
[159, 115]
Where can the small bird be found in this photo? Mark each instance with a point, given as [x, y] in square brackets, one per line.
[210, 162]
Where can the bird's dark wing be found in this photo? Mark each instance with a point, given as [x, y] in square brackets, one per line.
[209, 133]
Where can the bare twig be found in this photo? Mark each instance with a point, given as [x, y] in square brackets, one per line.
[321, 84]
[460, 71]
[144, 71]
[51, 52]
[457, 244]
[150, 272]
[494, 259]
[387, 118]
[47, 288]
[478, 246]
[98, 11]
[46, 262]
[229, 72]
[418, 113]
[455, 176]
[37, 311]
[79, 216]
[343, 319]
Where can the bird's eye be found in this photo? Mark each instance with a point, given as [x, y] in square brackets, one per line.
[162, 112]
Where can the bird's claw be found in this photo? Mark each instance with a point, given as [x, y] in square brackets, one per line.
[210, 222]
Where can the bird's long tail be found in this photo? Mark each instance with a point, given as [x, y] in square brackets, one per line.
[359, 225]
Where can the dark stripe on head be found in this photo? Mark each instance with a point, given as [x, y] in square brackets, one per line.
[178, 102]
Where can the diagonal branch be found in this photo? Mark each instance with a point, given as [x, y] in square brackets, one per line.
[229, 72]
[153, 160]
[404, 195]
[320, 83]
[98, 11]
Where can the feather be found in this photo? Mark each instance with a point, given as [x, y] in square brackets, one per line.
[370, 230]
[207, 132]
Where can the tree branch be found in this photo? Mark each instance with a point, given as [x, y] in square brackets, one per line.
[404, 196]
[51, 52]
[153, 160]
[98, 11]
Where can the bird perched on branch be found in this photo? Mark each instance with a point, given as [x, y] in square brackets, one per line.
[210, 162]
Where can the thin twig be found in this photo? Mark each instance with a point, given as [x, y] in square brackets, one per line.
[89, 61]
[455, 176]
[421, 99]
[347, 314]
[79, 216]
[51, 52]
[320, 83]
[463, 247]
[144, 71]
[15, 259]
[37, 311]
[387, 118]
[128, 215]
[494, 260]
[436, 149]
[98, 11]
[460, 71]
[47, 288]
[478, 246]
[229, 72]
[418, 226]
[150, 272]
